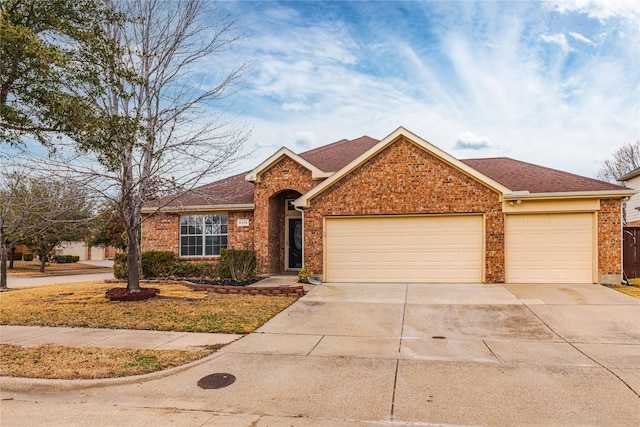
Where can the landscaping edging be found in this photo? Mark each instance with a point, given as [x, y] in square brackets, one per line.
[281, 291]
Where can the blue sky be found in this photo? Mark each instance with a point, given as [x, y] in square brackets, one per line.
[552, 83]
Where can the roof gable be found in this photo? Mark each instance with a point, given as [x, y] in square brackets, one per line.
[401, 132]
[316, 173]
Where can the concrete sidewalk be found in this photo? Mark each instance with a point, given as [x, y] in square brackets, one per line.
[124, 338]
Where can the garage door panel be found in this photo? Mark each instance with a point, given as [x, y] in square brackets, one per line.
[549, 248]
[409, 249]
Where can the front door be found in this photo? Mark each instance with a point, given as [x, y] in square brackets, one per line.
[294, 259]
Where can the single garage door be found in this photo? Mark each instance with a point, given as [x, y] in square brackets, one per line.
[404, 249]
[549, 248]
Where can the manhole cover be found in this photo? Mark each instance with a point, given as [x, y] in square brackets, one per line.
[216, 381]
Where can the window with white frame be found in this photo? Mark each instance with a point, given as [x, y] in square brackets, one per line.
[203, 235]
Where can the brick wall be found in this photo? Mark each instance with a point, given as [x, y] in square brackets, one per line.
[269, 194]
[161, 232]
[405, 179]
[609, 241]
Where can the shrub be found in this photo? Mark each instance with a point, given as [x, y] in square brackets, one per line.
[75, 258]
[27, 256]
[157, 263]
[237, 264]
[70, 258]
[60, 259]
[304, 274]
[199, 270]
[16, 256]
[120, 266]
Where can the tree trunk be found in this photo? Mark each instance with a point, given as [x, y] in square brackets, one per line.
[133, 261]
[43, 261]
[13, 253]
[3, 263]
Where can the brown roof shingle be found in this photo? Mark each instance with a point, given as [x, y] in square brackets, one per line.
[523, 176]
[234, 190]
[513, 174]
[333, 157]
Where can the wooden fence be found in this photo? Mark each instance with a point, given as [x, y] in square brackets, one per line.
[631, 251]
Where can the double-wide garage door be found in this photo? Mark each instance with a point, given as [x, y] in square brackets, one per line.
[404, 249]
[549, 248]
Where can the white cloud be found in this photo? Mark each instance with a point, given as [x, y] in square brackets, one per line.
[469, 141]
[294, 106]
[599, 9]
[580, 37]
[304, 139]
[559, 39]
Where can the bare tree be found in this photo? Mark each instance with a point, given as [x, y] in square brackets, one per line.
[624, 160]
[34, 209]
[158, 125]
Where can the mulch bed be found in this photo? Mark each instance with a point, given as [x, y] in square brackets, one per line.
[121, 294]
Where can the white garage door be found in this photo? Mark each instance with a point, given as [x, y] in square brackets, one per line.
[445, 249]
[549, 248]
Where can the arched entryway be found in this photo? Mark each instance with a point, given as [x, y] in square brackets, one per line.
[285, 233]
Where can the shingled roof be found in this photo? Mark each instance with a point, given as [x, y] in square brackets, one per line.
[333, 157]
[513, 174]
[234, 190]
[522, 176]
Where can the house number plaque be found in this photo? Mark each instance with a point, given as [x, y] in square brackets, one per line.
[243, 222]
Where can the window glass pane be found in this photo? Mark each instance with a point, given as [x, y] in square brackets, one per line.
[203, 234]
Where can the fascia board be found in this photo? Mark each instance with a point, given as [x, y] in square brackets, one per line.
[304, 200]
[603, 194]
[201, 208]
[632, 174]
[316, 173]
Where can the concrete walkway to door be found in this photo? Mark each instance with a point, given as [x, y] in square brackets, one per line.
[397, 354]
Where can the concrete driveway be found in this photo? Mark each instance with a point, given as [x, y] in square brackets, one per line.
[398, 354]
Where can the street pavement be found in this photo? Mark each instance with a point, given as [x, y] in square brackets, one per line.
[14, 282]
[388, 354]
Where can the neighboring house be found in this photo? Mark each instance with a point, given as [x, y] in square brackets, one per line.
[85, 252]
[401, 210]
[632, 206]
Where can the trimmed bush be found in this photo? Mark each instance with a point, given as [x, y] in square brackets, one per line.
[237, 264]
[157, 263]
[16, 256]
[75, 258]
[60, 259]
[69, 258]
[199, 270]
[120, 266]
[27, 256]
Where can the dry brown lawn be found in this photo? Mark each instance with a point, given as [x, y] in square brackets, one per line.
[31, 268]
[60, 362]
[633, 290]
[177, 308]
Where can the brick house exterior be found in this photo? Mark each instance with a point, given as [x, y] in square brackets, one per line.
[283, 209]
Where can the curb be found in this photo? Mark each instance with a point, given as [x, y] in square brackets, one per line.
[20, 384]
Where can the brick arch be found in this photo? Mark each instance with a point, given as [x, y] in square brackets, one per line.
[285, 179]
